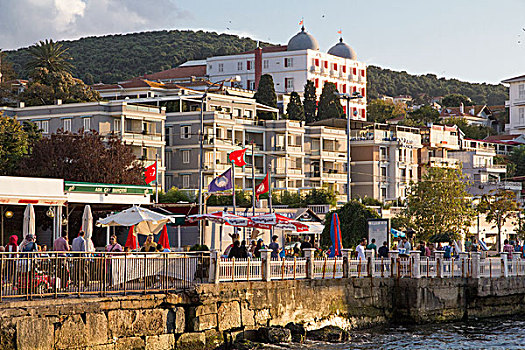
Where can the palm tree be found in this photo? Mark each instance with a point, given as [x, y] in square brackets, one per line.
[49, 55]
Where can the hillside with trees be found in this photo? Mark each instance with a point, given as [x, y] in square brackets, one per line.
[113, 58]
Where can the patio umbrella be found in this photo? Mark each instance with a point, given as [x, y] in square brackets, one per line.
[164, 240]
[131, 241]
[335, 235]
[146, 222]
[87, 227]
[29, 221]
[222, 217]
[267, 221]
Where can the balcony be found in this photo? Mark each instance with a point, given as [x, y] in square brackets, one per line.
[214, 141]
[334, 175]
[295, 171]
[497, 168]
[141, 136]
[294, 148]
[438, 162]
[217, 167]
[333, 153]
[258, 170]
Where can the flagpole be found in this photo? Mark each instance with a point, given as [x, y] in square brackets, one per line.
[270, 186]
[157, 177]
[253, 177]
[233, 189]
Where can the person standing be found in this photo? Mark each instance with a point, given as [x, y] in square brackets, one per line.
[405, 246]
[235, 251]
[372, 246]
[244, 250]
[274, 246]
[80, 263]
[383, 250]
[360, 249]
[61, 244]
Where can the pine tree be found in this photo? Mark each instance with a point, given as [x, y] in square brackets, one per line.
[329, 104]
[310, 102]
[266, 95]
[295, 108]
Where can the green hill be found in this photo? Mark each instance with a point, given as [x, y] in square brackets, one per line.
[113, 58]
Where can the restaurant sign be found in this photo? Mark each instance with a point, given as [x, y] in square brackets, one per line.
[88, 187]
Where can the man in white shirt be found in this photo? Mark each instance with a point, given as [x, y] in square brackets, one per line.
[360, 249]
[405, 247]
[80, 263]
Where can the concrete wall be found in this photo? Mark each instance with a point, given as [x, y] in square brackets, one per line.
[203, 318]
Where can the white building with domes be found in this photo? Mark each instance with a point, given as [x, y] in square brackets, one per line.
[291, 66]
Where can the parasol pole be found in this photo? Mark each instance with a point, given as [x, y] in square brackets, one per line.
[157, 178]
[253, 177]
[233, 186]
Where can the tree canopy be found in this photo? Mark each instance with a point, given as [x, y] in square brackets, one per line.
[329, 104]
[517, 158]
[14, 144]
[50, 56]
[266, 95]
[310, 102]
[455, 100]
[380, 111]
[477, 132]
[421, 117]
[438, 204]
[84, 156]
[295, 109]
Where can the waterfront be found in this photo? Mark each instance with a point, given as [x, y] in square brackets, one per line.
[495, 333]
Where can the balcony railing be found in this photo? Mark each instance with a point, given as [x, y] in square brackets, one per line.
[142, 136]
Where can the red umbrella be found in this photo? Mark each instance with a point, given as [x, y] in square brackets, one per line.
[131, 241]
[164, 239]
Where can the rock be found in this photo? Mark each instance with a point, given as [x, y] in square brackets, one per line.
[214, 338]
[191, 341]
[34, 333]
[298, 332]
[331, 334]
[202, 323]
[160, 342]
[229, 315]
[274, 335]
[71, 333]
[96, 329]
[132, 343]
[262, 316]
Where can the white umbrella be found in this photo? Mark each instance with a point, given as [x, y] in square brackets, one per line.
[146, 222]
[87, 227]
[29, 221]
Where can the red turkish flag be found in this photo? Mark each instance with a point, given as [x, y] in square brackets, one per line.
[263, 187]
[151, 173]
[237, 157]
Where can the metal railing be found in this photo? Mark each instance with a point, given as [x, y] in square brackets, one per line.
[30, 275]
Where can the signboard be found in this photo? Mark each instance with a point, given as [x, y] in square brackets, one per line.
[378, 229]
[86, 187]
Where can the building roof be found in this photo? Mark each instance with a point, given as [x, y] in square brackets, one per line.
[134, 83]
[342, 49]
[302, 41]
[179, 72]
[267, 49]
[512, 80]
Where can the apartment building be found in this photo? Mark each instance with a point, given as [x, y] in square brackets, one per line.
[384, 161]
[516, 105]
[141, 127]
[437, 142]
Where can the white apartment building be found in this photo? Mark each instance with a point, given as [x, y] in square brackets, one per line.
[516, 105]
[141, 127]
[291, 66]
[438, 141]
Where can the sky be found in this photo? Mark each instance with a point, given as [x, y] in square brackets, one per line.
[471, 40]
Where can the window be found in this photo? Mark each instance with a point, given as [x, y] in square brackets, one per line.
[344, 69]
[383, 193]
[237, 112]
[210, 67]
[168, 160]
[249, 65]
[266, 64]
[221, 67]
[185, 156]
[288, 62]
[344, 88]
[383, 172]
[363, 92]
[316, 83]
[45, 127]
[522, 116]
[326, 64]
[249, 113]
[288, 83]
[66, 124]
[363, 73]
[316, 62]
[239, 65]
[521, 91]
[87, 124]
[335, 66]
[403, 173]
[185, 131]
[354, 71]
[382, 153]
[185, 181]
[116, 125]
[250, 84]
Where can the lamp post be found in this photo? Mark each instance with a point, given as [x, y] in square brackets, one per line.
[204, 97]
[356, 95]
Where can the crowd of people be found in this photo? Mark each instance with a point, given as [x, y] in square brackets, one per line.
[240, 250]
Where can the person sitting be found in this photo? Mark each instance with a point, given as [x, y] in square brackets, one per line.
[149, 246]
[113, 246]
[235, 251]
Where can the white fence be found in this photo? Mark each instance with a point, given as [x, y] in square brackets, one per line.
[231, 270]
[288, 269]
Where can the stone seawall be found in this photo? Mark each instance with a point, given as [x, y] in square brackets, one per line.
[214, 313]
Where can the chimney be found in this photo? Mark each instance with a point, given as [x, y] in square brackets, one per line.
[258, 66]
[462, 108]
